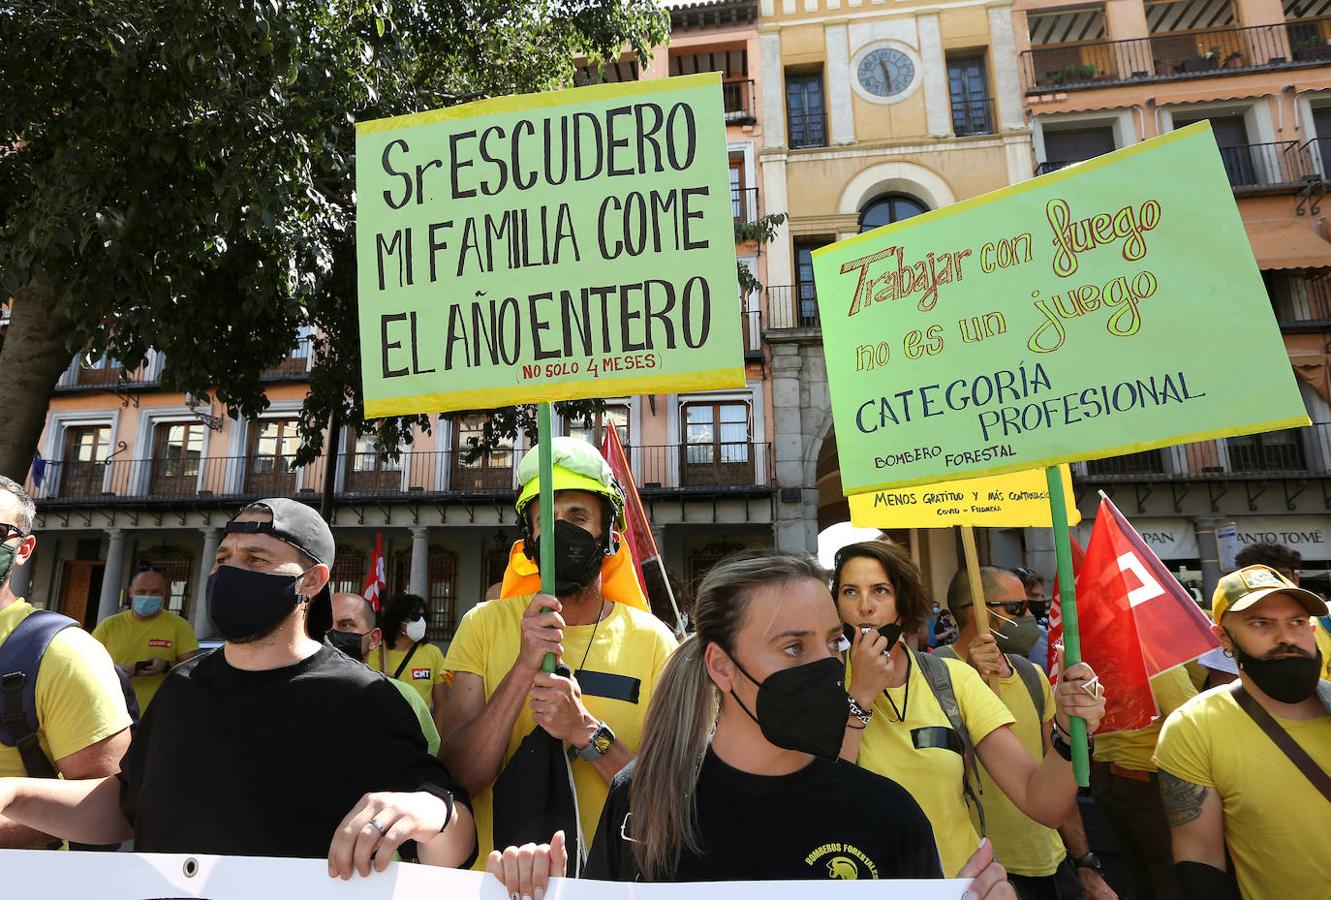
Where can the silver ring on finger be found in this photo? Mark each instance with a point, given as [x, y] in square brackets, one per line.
[375, 824]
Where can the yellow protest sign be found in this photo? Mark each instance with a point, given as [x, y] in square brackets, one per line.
[546, 247]
[1015, 500]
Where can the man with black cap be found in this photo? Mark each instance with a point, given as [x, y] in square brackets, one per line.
[308, 753]
[1245, 768]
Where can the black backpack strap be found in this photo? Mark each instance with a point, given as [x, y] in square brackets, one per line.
[20, 659]
[940, 682]
[1031, 677]
[406, 659]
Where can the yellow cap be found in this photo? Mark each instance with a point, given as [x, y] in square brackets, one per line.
[1239, 590]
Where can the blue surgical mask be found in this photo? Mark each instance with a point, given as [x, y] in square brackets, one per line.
[146, 604]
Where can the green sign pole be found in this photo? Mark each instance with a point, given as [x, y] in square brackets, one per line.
[547, 560]
[1067, 598]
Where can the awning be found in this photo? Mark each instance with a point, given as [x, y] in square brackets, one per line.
[1283, 244]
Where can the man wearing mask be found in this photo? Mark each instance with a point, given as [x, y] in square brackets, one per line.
[309, 753]
[82, 723]
[357, 634]
[1244, 767]
[1041, 862]
[146, 640]
[598, 624]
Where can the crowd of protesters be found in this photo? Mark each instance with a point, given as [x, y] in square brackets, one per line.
[810, 724]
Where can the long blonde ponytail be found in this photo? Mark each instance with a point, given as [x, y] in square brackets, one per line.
[684, 708]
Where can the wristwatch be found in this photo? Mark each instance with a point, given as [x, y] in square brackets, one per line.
[1089, 861]
[599, 745]
[859, 712]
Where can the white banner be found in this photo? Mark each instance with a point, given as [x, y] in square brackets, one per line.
[42, 874]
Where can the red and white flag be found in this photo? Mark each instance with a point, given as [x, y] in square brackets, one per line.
[1135, 619]
[638, 530]
[376, 584]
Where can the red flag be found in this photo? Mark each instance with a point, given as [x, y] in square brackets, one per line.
[1056, 608]
[638, 530]
[375, 583]
[1173, 629]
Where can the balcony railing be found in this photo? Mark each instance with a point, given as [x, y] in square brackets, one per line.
[1299, 298]
[1309, 39]
[1319, 156]
[744, 204]
[1268, 165]
[437, 474]
[751, 324]
[973, 115]
[1161, 56]
[1296, 453]
[739, 101]
[808, 130]
[108, 374]
[791, 306]
[1054, 165]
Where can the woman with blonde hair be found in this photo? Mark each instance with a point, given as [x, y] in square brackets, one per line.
[737, 776]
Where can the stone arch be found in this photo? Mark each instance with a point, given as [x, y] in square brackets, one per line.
[832, 504]
[895, 177]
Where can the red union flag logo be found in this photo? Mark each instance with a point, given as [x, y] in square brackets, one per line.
[159, 642]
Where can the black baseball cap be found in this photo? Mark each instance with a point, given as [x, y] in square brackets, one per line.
[300, 526]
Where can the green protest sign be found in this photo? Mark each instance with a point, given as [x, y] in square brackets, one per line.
[547, 247]
[1108, 308]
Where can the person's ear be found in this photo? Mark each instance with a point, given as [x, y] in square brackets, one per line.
[720, 667]
[25, 549]
[314, 580]
[1223, 635]
[376, 637]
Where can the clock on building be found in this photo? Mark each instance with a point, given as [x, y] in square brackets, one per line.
[885, 72]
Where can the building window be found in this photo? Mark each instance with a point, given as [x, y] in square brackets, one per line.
[805, 111]
[1065, 146]
[968, 88]
[350, 567]
[87, 448]
[441, 589]
[367, 472]
[105, 369]
[609, 73]
[1246, 164]
[177, 457]
[1272, 451]
[273, 444]
[701, 559]
[718, 448]
[177, 566]
[886, 209]
[489, 470]
[806, 293]
[594, 432]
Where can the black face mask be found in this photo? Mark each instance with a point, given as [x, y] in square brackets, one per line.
[804, 708]
[247, 605]
[1289, 680]
[349, 642]
[578, 557]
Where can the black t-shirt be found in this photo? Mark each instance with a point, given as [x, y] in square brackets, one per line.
[828, 820]
[269, 763]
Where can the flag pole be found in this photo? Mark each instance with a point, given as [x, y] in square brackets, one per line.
[670, 592]
[973, 576]
[1067, 598]
[547, 546]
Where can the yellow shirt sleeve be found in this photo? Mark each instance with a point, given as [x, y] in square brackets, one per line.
[438, 669]
[1172, 688]
[186, 640]
[1183, 750]
[980, 706]
[79, 699]
[1048, 695]
[467, 651]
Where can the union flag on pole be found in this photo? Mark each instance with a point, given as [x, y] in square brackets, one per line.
[1135, 619]
[638, 530]
[376, 584]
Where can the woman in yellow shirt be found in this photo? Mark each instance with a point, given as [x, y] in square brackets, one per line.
[407, 656]
[899, 728]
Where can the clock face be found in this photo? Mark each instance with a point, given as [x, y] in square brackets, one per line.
[886, 72]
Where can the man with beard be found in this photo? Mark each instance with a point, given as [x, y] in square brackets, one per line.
[308, 753]
[611, 649]
[1245, 766]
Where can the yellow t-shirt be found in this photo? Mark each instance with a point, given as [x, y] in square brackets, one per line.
[629, 642]
[933, 775]
[425, 670]
[128, 639]
[1021, 844]
[1324, 644]
[1275, 821]
[79, 701]
[1133, 749]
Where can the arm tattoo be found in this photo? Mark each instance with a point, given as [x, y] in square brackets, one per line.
[1183, 800]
